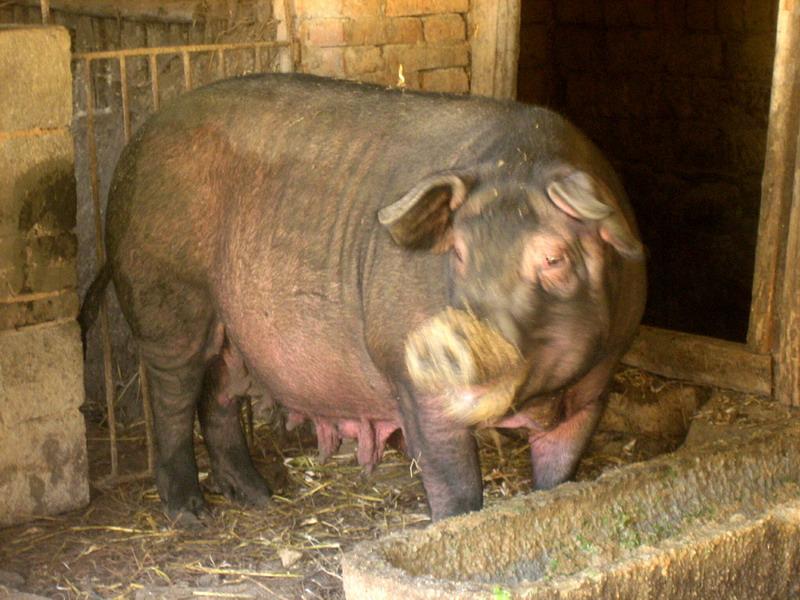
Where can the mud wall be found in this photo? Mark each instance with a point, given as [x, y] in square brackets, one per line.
[43, 467]
[677, 94]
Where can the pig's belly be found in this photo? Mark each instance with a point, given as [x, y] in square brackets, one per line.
[316, 366]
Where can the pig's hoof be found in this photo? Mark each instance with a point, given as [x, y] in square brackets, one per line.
[190, 515]
[252, 491]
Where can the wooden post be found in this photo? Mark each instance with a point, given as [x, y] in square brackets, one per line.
[787, 356]
[776, 186]
[494, 37]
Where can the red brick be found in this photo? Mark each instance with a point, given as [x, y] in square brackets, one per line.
[444, 28]
[324, 32]
[398, 8]
[445, 80]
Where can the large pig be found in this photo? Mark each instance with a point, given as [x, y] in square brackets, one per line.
[293, 231]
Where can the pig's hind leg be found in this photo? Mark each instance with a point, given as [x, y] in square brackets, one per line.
[555, 453]
[225, 383]
[171, 323]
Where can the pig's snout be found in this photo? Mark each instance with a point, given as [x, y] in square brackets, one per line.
[466, 362]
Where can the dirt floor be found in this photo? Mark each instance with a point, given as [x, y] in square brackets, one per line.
[122, 545]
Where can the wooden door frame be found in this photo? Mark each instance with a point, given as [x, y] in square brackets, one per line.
[769, 363]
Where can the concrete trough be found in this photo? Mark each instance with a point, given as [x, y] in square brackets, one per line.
[721, 520]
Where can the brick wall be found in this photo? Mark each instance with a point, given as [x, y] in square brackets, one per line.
[43, 466]
[369, 40]
[677, 94]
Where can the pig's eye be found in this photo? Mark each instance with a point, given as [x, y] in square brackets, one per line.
[554, 260]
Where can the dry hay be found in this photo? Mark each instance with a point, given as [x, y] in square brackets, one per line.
[122, 545]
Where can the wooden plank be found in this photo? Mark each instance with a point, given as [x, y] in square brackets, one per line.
[776, 187]
[787, 357]
[700, 360]
[494, 40]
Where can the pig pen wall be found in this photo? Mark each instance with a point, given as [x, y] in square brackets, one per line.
[677, 94]
[105, 25]
[43, 466]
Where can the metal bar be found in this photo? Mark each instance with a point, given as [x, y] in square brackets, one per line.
[187, 70]
[126, 113]
[177, 49]
[101, 258]
[45, 5]
[256, 60]
[153, 65]
[33, 297]
[221, 69]
[147, 407]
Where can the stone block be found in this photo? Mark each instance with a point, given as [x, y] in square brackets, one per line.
[43, 465]
[760, 15]
[701, 15]
[444, 28]
[324, 61]
[695, 54]
[627, 13]
[579, 12]
[534, 46]
[404, 30]
[37, 183]
[445, 80]
[570, 49]
[730, 15]
[323, 32]
[38, 309]
[12, 265]
[418, 58]
[43, 468]
[36, 88]
[318, 8]
[41, 372]
[634, 51]
[362, 59]
[366, 31]
[361, 8]
[536, 12]
[751, 56]
[399, 8]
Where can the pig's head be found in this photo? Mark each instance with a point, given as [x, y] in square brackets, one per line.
[528, 256]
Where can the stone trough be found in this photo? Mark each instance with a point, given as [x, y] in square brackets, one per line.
[720, 520]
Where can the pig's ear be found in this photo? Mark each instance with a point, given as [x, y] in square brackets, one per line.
[422, 217]
[583, 197]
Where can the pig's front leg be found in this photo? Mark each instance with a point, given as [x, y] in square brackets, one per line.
[555, 453]
[446, 453]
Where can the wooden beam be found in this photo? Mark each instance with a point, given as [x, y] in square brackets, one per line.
[494, 40]
[776, 186]
[787, 356]
[170, 11]
[700, 360]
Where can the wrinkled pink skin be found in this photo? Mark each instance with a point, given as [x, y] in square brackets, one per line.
[244, 247]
